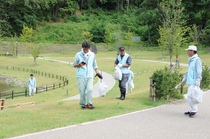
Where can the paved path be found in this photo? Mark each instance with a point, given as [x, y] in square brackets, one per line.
[163, 122]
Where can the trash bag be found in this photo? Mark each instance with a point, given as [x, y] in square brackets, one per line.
[117, 74]
[131, 84]
[197, 95]
[102, 88]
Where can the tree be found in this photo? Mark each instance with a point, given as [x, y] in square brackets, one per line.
[194, 35]
[128, 40]
[27, 37]
[87, 36]
[173, 30]
[108, 37]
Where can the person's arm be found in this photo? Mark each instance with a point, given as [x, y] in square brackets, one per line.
[76, 62]
[116, 62]
[198, 71]
[128, 62]
[79, 65]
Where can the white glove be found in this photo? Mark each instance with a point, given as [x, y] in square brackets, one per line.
[120, 65]
[197, 83]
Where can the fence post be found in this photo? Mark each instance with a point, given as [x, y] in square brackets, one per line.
[67, 82]
[46, 88]
[25, 92]
[67, 92]
[12, 94]
[36, 90]
[59, 85]
[53, 86]
[152, 89]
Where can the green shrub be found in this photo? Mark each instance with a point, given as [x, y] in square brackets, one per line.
[205, 77]
[165, 83]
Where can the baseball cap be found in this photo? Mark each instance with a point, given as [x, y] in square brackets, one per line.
[122, 48]
[31, 74]
[192, 47]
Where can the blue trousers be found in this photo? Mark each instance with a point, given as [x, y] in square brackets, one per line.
[85, 86]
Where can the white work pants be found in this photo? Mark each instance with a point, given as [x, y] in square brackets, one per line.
[31, 91]
[193, 105]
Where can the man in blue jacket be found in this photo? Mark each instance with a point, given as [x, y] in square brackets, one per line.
[193, 78]
[31, 85]
[86, 64]
[123, 61]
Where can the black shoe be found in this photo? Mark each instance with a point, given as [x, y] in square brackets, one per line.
[122, 98]
[119, 97]
[187, 113]
[192, 114]
[90, 106]
[83, 106]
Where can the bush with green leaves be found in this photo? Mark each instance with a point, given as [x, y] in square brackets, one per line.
[205, 77]
[165, 83]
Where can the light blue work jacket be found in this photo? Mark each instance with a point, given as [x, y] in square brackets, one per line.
[88, 69]
[32, 82]
[194, 72]
[122, 61]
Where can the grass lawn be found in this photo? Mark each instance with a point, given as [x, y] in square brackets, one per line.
[50, 111]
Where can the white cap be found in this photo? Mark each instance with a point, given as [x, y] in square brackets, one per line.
[192, 47]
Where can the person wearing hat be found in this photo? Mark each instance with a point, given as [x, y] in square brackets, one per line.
[31, 85]
[123, 61]
[192, 78]
[86, 64]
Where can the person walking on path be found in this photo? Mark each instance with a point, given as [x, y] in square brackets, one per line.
[123, 61]
[86, 64]
[31, 85]
[193, 78]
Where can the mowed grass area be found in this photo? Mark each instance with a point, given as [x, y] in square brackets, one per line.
[50, 111]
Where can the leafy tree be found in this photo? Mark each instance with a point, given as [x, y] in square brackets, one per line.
[27, 37]
[87, 36]
[172, 32]
[108, 37]
[128, 40]
[149, 18]
[194, 35]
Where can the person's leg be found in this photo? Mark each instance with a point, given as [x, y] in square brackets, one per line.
[89, 90]
[123, 85]
[82, 86]
[32, 90]
[29, 90]
[193, 105]
[120, 91]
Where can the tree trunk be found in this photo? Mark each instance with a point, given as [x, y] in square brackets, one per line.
[81, 5]
[128, 2]
[171, 65]
[149, 35]
[121, 4]
[118, 5]
[177, 62]
[34, 60]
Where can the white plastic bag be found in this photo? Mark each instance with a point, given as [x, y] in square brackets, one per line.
[117, 74]
[131, 84]
[197, 94]
[102, 88]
